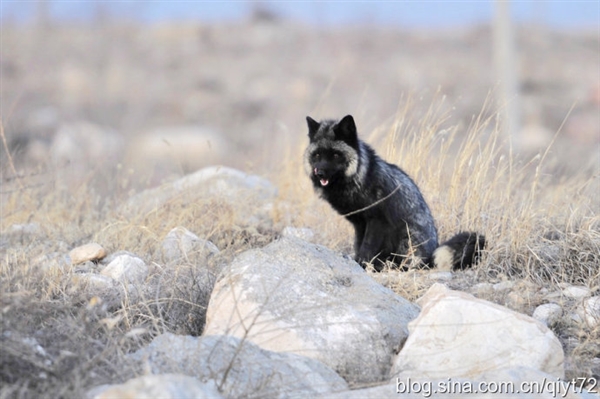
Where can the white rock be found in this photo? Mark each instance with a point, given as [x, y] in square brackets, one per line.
[576, 292]
[240, 366]
[126, 269]
[181, 244]
[459, 335]
[589, 311]
[296, 297]
[165, 386]
[88, 252]
[548, 313]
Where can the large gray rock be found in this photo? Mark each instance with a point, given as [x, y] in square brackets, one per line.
[239, 368]
[459, 335]
[296, 297]
[249, 198]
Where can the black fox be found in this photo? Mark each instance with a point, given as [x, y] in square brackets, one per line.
[390, 217]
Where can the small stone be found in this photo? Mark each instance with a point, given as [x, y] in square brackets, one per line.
[548, 313]
[181, 243]
[576, 292]
[126, 269]
[91, 252]
[589, 310]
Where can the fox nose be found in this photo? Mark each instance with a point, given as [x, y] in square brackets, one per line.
[319, 173]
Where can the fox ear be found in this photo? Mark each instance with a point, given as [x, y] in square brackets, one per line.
[346, 130]
[313, 127]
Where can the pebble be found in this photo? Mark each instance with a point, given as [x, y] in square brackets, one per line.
[88, 252]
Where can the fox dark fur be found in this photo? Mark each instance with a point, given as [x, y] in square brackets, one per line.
[390, 216]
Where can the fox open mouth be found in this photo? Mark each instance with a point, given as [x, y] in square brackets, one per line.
[322, 180]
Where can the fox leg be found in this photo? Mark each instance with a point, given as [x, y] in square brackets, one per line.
[372, 244]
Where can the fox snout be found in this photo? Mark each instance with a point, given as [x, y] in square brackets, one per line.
[321, 175]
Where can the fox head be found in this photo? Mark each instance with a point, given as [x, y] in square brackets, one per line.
[333, 151]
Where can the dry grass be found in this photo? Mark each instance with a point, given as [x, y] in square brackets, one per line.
[543, 231]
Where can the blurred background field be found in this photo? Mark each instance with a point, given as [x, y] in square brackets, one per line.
[103, 100]
[160, 89]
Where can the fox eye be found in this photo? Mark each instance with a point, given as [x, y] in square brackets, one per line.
[317, 155]
[336, 156]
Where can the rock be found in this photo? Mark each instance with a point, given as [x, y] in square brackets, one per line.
[126, 269]
[461, 336]
[216, 184]
[181, 244]
[548, 313]
[89, 285]
[238, 367]
[589, 311]
[296, 297]
[576, 292]
[165, 386]
[305, 234]
[88, 252]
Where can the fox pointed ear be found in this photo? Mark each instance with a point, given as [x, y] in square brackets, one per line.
[346, 130]
[313, 127]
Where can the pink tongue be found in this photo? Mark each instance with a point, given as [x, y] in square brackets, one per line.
[324, 182]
